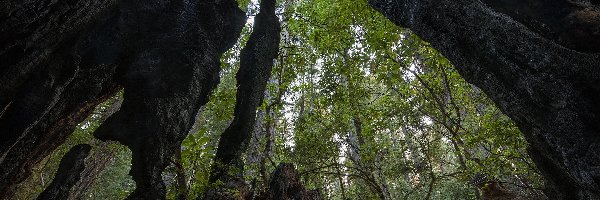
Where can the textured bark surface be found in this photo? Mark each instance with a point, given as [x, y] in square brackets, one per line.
[494, 191]
[256, 61]
[99, 159]
[50, 79]
[62, 58]
[285, 185]
[574, 24]
[550, 91]
[32, 30]
[69, 172]
[169, 65]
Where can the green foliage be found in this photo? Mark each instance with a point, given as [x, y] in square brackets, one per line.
[365, 109]
[114, 181]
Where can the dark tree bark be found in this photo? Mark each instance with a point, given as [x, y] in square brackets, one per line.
[100, 157]
[31, 30]
[69, 173]
[169, 65]
[256, 61]
[62, 58]
[49, 80]
[88, 88]
[285, 184]
[545, 83]
[574, 24]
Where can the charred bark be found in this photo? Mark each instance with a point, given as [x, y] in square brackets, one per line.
[62, 58]
[574, 24]
[285, 184]
[101, 157]
[169, 65]
[256, 61]
[549, 90]
[31, 30]
[69, 173]
[50, 78]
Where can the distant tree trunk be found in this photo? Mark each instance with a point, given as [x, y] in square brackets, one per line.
[182, 188]
[254, 153]
[448, 108]
[366, 169]
[285, 184]
[256, 61]
[100, 157]
[68, 174]
[341, 182]
[97, 161]
[269, 140]
[544, 82]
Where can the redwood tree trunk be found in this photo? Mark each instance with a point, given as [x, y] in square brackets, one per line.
[170, 62]
[545, 83]
[51, 78]
[62, 58]
[256, 61]
[69, 173]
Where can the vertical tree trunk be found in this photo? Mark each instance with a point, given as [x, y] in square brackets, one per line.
[256, 61]
[65, 57]
[169, 65]
[100, 157]
[182, 188]
[341, 182]
[366, 169]
[97, 161]
[68, 174]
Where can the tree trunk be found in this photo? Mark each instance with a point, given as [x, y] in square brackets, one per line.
[97, 161]
[367, 169]
[170, 63]
[50, 79]
[100, 157]
[256, 61]
[549, 90]
[68, 174]
[285, 184]
[65, 57]
[182, 188]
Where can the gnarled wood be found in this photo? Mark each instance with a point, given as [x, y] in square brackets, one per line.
[62, 58]
[52, 76]
[550, 91]
[169, 65]
[69, 173]
[256, 61]
[285, 184]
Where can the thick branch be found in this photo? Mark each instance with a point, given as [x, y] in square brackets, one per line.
[550, 92]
